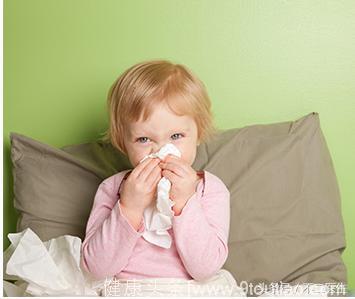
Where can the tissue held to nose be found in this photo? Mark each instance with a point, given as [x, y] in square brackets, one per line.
[167, 149]
[158, 217]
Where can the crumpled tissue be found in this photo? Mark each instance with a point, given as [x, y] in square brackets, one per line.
[50, 268]
[158, 216]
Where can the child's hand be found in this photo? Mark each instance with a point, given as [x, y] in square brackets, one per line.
[183, 178]
[139, 189]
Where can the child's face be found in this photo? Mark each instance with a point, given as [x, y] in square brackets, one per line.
[162, 127]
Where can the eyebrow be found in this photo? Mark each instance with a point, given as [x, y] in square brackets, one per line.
[135, 134]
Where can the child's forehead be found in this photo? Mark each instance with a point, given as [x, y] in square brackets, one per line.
[161, 120]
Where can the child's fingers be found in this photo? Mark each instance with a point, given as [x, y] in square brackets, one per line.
[140, 167]
[178, 162]
[148, 169]
[176, 168]
[137, 170]
[155, 176]
[169, 175]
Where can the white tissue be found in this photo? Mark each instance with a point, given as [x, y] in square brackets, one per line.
[50, 268]
[158, 216]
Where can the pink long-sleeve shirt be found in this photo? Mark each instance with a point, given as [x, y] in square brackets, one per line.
[112, 247]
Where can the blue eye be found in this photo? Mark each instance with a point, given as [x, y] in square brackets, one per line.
[176, 134]
[141, 139]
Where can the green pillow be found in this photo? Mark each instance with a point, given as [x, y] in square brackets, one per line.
[286, 222]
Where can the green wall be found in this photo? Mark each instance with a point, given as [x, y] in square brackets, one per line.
[262, 62]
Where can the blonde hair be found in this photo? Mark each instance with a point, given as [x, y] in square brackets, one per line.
[144, 85]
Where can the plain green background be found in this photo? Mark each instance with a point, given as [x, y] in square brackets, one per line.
[261, 61]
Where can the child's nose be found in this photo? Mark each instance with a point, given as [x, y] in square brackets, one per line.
[157, 147]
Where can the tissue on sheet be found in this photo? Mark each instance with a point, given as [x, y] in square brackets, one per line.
[158, 216]
[50, 268]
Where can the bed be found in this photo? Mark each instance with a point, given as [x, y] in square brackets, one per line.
[286, 223]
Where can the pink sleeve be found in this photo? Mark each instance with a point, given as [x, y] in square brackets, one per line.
[201, 232]
[110, 238]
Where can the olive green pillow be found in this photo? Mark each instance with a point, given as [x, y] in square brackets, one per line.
[286, 222]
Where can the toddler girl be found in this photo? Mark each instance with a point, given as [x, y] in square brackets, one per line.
[151, 104]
